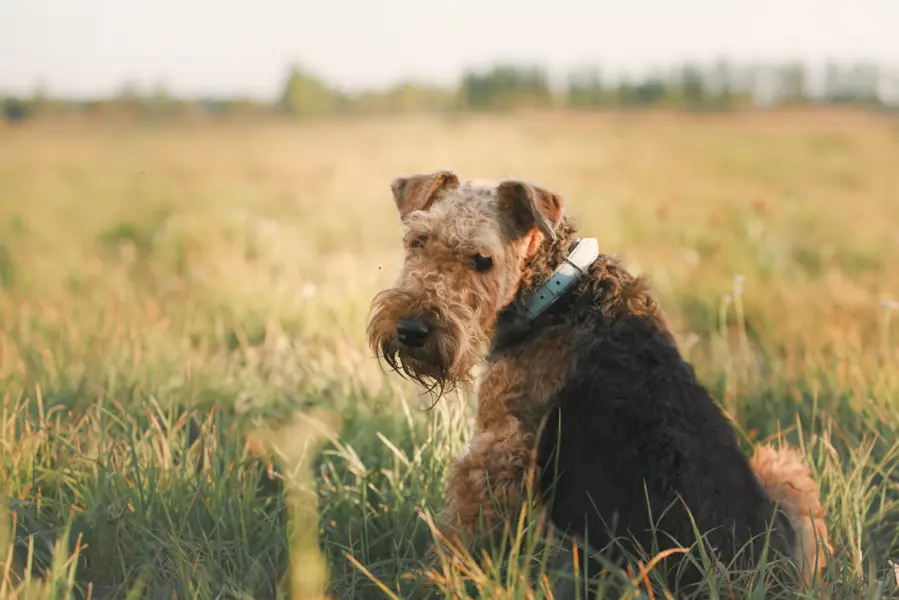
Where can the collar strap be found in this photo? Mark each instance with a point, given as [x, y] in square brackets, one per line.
[583, 254]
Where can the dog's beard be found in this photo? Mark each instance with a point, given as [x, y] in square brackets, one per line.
[445, 361]
[427, 368]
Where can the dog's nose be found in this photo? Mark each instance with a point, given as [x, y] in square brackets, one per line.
[412, 332]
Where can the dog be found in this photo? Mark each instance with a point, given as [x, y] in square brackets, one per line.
[581, 379]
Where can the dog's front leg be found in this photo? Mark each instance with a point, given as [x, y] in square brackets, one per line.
[488, 480]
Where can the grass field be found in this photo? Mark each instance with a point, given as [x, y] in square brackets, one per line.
[189, 409]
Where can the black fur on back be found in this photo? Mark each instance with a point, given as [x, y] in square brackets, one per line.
[633, 433]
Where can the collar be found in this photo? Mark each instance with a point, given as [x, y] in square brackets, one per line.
[580, 257]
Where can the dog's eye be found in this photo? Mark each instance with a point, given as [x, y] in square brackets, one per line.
[419, 242]
[482, 263]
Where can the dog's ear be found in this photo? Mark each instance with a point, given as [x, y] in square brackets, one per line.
[529, 206]
[417, 192]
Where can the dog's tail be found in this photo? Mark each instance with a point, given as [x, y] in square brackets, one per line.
[788, 481]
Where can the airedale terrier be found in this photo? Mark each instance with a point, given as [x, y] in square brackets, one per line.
[496, 276]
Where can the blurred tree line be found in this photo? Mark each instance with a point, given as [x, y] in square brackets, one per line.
[720, 86]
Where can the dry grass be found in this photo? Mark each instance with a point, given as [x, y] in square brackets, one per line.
[174, 301]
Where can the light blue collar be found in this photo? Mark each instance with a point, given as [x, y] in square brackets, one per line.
[578, 260]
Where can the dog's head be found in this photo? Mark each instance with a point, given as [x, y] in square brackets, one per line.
[466, 247]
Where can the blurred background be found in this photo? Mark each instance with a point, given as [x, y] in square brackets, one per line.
[195, 212]
[211, 59]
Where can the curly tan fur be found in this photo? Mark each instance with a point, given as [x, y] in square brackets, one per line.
[447, 224]
[486, 481]
[788, 481]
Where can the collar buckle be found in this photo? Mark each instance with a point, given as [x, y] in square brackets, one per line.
[578, 260]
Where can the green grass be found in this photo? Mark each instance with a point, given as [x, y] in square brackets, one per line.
[189, 409]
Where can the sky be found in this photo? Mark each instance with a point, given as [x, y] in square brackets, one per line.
[87, 48]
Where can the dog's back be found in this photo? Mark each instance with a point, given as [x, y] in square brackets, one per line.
[636, 449]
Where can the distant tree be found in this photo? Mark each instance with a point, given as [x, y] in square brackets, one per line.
[624, 93]
[743, 80]
[129, 92]
[39, 102]
[407, 97]
[651, 91]
[127, 101]
[161, 93]
[888, 88]
[793, 82]
[305, 95]
[15, 110]
[585, 89]
[505, 87]
[866, 82]
[837, 86]
[160, 102]
[692, 87]
[856, 83]
[722, 85]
